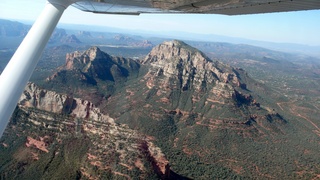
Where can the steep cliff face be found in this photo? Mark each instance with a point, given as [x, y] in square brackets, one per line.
[175, 58]
[54, 129]
[35, 97]
[182, 66]
[91, 67]
[92, 75]
[92, 63]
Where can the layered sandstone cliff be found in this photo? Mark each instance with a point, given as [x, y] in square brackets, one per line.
[180, 65]
[61, 116]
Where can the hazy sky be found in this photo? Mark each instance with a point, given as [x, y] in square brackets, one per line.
[301, 27]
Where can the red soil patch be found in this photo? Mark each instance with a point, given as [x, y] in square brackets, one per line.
[39, 144]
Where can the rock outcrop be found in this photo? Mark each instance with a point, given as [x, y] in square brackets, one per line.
[84, 34]
[92, 75]
[93, 64]
[125, 40]
[50, 101]
[180, 65]
[61, 36]
[70, 39]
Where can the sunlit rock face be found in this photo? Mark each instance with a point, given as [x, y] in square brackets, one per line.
[50, 101]
[185, 67]
[94, 65]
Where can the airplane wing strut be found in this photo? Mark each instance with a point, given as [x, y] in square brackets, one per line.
[19, 70]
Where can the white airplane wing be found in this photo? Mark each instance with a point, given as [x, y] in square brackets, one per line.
[227, 7]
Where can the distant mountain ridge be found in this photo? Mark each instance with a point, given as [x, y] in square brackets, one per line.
[284, 47]
[17, 29]
[186, 36]
[11, 29]
[132, 42]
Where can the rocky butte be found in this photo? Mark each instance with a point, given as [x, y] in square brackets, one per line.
[181, 78]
